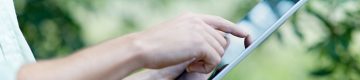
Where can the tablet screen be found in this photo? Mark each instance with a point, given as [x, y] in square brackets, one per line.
[263, 16]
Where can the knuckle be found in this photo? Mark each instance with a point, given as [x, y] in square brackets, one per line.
[222, 51]
[199, 42]
[223, 42]
[197, 28]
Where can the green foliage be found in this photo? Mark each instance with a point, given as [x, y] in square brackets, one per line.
[335, 46]
[49, 30]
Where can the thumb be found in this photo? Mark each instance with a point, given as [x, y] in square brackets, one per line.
[174, 71]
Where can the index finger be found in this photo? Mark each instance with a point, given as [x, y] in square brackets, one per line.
[223, 25]
[248, 41]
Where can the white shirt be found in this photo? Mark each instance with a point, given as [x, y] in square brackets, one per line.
[14, 51]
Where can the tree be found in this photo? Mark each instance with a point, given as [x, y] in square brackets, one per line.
[49, 30]
[335, 47]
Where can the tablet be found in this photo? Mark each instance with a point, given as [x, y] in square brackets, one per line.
[266, 17]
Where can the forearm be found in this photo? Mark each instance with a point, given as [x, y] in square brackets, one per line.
[110, 60]
[146, 74]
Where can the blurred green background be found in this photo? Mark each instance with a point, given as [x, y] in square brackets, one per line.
[320, 42]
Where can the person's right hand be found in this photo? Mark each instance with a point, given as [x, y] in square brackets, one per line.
[193, 38]
[190, 36]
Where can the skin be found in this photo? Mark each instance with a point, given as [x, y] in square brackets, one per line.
[191, 42]
[168, 73]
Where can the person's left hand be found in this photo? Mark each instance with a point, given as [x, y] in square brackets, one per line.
[168, 73]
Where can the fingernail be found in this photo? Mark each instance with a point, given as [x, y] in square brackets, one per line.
[198, 69]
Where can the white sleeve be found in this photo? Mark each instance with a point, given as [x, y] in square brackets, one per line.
[14, 51]
[8, 71]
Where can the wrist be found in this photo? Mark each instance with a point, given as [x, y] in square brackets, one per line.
[142, 48]
[118, 56]
[138, 51]
[135, 50]
[127, 56]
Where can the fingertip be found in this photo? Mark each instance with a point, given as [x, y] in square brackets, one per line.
[241, 33]
[248, 41]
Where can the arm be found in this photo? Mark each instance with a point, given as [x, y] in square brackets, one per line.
[194, 37]
[110, 60]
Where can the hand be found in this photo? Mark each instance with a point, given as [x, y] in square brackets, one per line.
[190, 36]
[194, 37]
[168, 73]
